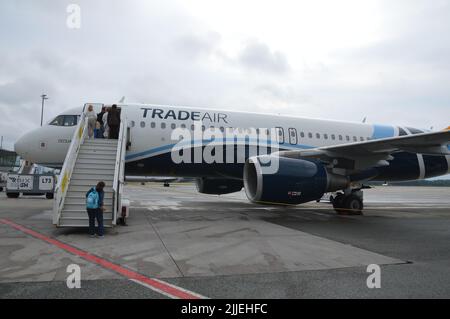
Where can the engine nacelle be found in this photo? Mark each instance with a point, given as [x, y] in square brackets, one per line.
[296, 180]
[218, 186]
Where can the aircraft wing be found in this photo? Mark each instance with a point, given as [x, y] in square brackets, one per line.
[378, 152]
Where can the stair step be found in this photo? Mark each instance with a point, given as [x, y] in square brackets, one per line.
[82, 194]
[85, 187]
[111, 153]
[110, 166]
[79, 223]
[89, 183]
[81, 206]
[96, 161]
[102, 141]
[81, 201]
[97, 171]
[81, 211]
[96, 156]
[69, 215]
[90, 177]
[99, 146]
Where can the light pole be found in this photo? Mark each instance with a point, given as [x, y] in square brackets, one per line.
[44, 97]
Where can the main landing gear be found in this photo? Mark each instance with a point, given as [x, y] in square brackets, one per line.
[349, 203]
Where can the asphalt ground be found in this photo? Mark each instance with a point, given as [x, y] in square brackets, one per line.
[225, 247]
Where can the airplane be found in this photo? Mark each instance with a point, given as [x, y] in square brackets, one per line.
[312, 156]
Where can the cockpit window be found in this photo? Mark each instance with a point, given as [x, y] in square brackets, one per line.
[65, 120]
[414, 130]
[70, 120]
[58, 120]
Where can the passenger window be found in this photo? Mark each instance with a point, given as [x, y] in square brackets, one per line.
[355, 139]
[340, 138]
[163, 125]
[318, 135]
[333, 137]
[152, 124]
[192, 127]
[222, 129]
[302, 134]
[348, 138]
[132, 123]
[325, 136]
[173, 126]
[310, 135]
[142, 124]
[292, 136]
[362, 139]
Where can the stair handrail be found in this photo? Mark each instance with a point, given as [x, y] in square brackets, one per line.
[67, 169]
[119, 174]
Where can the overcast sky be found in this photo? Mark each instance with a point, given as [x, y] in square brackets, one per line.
[388, 61]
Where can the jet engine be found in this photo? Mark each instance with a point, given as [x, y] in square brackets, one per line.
[295, 181]
[218, 186]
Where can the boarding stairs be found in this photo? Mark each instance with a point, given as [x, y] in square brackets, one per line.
[89, 161]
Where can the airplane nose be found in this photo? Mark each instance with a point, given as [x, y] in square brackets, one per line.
[19, 147]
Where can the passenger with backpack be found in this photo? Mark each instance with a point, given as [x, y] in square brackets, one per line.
[94, 207]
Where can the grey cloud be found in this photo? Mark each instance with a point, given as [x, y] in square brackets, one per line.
[154, 52]
[258, 56]
[193, 46]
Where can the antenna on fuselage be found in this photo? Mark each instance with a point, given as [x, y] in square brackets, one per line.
[364, 119]
[122, 99]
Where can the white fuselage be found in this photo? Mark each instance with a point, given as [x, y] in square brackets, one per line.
[151, 128]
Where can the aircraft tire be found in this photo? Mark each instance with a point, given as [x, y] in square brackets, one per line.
[348, 205]
[338, 203]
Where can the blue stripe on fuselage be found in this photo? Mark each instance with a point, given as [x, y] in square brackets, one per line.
[204, 143]
[382, 131]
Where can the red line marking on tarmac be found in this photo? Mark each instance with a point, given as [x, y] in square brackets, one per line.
[157, 285]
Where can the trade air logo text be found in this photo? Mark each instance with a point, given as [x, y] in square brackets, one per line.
[183, 115]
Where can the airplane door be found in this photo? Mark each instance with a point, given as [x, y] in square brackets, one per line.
[292, 136]
[280, 135]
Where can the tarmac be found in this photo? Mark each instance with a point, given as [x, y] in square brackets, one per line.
[226, 247]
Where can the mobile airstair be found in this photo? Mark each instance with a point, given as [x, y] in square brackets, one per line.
[87, 162]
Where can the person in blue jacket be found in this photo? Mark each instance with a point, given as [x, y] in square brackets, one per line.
[94, 207]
